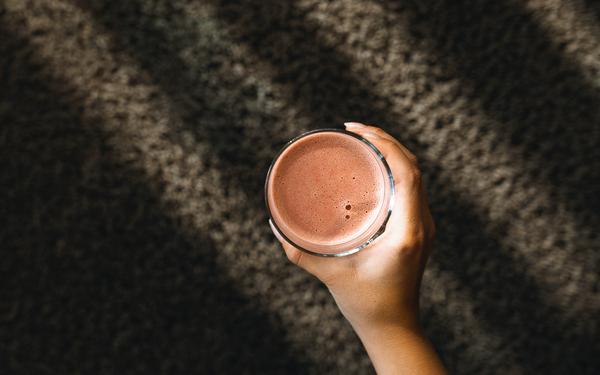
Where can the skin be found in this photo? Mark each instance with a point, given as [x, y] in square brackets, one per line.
[377, 289]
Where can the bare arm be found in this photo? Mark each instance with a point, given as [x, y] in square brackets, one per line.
[397, 349]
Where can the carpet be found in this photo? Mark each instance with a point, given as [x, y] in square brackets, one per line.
[134, 141]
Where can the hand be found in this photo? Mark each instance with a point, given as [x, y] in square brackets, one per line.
[379, 285]
[377, 288]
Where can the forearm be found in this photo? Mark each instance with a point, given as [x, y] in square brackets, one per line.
[395, 349]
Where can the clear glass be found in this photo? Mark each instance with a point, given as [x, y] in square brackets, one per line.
[360, 240]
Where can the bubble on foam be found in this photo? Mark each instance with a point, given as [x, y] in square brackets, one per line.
[348, 207]
[347, 216]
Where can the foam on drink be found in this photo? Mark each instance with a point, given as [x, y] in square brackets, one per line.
[326, 188]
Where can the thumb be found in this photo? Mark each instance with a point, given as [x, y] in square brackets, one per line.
[311, 263]
[293, 254]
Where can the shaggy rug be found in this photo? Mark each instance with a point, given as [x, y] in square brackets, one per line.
[134, 141]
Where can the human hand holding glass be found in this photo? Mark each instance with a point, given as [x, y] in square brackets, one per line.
[377, 289]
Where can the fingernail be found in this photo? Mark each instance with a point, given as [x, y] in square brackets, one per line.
[354, 125]
[275, 231]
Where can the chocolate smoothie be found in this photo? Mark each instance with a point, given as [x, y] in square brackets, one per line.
[329, 192]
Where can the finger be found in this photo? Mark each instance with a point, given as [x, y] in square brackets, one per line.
[396, 155]
[359, 128]
[406, 220]
[407, 182]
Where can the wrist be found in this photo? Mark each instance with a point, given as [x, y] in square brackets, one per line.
[377, 311]
[377, 330]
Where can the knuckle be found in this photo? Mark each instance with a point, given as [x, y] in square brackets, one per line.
[375, 129]
[415, 241]
[416, 173]
[378, 131]
[414, 160]
[413, 176]
[388, 148]
[388, 143]
[419, 239]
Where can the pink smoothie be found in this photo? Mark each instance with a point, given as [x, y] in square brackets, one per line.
[327, 189]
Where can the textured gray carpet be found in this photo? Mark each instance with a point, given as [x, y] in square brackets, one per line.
[134, 140]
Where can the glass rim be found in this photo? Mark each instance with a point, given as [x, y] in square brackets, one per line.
[387, 170]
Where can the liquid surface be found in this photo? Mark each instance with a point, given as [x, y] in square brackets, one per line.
[326, 188]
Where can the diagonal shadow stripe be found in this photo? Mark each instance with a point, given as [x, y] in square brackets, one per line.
[593, 8]
[300, 60]
[95, 276]
[204, 113]
[547, 109]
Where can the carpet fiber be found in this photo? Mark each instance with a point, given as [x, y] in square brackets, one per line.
[134, 141]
